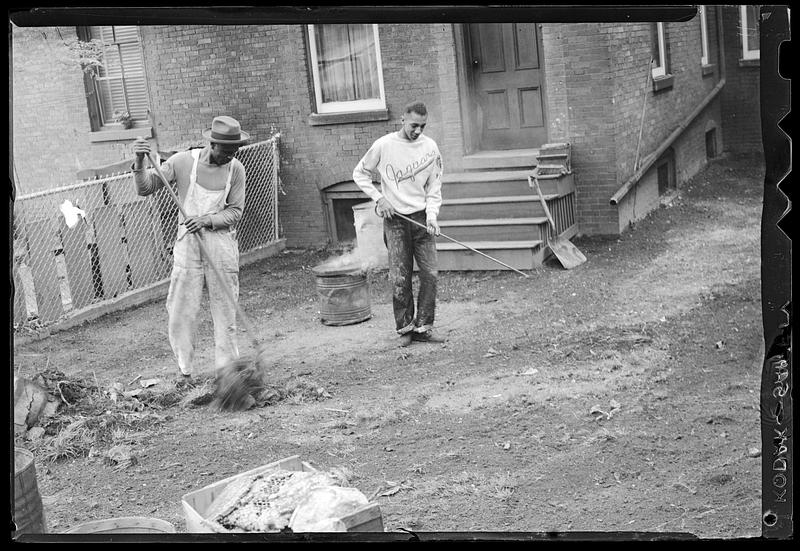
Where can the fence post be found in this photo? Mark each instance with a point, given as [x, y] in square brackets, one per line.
[276, 161]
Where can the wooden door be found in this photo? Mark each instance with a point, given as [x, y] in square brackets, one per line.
[505, 61]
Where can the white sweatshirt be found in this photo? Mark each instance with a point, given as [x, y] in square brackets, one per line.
[410, 174]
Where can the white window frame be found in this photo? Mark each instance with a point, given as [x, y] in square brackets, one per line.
[746, 53]
[703, 36]
[345, 106]
[661, 69]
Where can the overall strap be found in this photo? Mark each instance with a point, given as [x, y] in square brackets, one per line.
[196, 156]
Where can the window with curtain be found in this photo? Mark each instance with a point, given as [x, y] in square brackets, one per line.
[346, 68]
[659, 51]
[750, 31]
[703, 36]
[117, 87]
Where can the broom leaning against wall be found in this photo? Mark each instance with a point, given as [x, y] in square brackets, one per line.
[210, 187]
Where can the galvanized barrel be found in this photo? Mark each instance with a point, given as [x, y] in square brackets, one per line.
[124, 525]
[28, 511]
[343, 293]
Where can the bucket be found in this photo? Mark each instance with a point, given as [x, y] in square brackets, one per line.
[343, 293]
[369, 236]
[28, 512]
[124, 525]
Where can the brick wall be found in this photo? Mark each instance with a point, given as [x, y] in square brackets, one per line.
[596, 81]
[581, 110]
[555, 79]
[449, 126]
[259, 75]
[49, 116]
[665, 109]
[741, 96]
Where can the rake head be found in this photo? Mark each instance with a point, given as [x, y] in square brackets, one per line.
[237, 383]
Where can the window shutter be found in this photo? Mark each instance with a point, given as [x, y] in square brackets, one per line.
[121, 79]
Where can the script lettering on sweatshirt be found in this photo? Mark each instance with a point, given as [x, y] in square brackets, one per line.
[396, 176]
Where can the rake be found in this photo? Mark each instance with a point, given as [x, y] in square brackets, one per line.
[404, 217]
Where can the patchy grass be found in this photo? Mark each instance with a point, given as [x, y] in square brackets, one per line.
[90, 419]
[295, 391]
[74, 440]
[81, 436]
[376, 417]
[491, 487]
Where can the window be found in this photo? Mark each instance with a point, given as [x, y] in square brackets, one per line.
[703, 36]
[711, 143]
[118, 85]
[659, 52]
[662, 79]
[750, 31]
[339, 199]
[346, 68]
[665, 172]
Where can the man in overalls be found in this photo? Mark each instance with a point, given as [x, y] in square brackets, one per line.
[211, 187]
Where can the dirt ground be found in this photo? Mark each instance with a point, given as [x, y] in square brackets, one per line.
[619, 396]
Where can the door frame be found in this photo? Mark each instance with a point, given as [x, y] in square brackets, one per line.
[466, 86]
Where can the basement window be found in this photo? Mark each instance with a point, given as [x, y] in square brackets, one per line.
[665, 171]
[339, 200]
[711, 143]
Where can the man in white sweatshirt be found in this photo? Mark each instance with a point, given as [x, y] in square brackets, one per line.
[410, 169]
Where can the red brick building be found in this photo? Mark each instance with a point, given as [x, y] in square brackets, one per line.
[496, 93]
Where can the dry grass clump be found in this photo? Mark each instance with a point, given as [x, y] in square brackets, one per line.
[90, 418]
[294, 391]
[494, 487]
[81, 436]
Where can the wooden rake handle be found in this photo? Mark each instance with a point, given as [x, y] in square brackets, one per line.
[217, 272]
[463, 245]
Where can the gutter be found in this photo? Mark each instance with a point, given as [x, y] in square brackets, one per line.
[653, 157]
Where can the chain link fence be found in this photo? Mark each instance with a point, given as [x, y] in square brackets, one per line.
[82, 245]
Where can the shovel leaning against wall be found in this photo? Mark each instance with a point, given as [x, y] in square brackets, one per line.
[567, 254]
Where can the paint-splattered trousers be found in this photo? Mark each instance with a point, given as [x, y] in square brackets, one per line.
[189, 274]
[406, 242]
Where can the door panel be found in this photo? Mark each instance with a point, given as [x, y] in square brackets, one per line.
[489, 48]
[497, 115]
[526, 47]
[530, 108]
[506, 85]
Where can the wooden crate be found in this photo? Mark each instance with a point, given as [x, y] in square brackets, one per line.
[196, 503]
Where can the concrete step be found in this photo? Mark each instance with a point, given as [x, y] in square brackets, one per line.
[499, 183]
[502, 159]
[507, 206]
[494, 229]
[522, 255]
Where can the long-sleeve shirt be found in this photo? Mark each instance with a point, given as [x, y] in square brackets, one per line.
[178, 168]
[410, 173]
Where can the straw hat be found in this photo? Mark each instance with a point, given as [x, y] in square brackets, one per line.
[226, 130]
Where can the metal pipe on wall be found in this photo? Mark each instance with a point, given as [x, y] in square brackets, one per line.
[654, 156]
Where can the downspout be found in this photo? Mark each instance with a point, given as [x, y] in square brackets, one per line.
[653, 157]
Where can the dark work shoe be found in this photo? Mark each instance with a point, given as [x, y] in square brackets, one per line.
[427, 336]
[405, 340]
